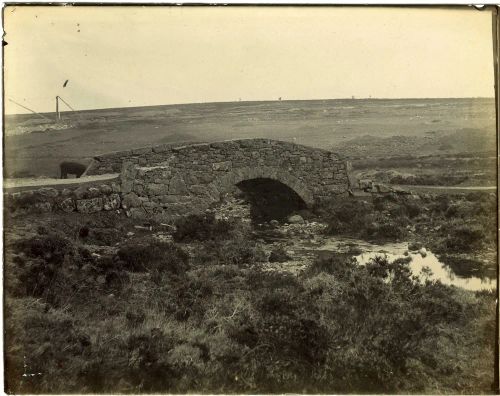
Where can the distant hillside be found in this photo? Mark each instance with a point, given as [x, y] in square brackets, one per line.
[462, 141]
[331, 124]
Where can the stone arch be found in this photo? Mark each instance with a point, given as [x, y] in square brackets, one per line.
[226, 182]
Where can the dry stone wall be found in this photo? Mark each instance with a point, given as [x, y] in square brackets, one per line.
[76, 198]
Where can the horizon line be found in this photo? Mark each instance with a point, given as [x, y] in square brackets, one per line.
[247, 101]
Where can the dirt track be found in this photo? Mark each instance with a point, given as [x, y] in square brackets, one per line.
[19, 184]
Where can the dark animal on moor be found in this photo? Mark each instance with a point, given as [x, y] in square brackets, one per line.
[71, 168]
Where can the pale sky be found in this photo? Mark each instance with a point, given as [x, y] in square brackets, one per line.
[137, 56]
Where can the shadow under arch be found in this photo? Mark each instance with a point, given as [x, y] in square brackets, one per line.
[227, 182]
[272, 193]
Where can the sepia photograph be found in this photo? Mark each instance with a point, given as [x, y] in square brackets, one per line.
[254, 199]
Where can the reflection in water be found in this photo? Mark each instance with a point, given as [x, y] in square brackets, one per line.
[393, 251]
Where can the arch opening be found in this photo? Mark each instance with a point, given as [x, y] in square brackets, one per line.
[270, 199]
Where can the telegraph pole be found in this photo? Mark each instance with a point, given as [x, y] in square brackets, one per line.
[58, 115]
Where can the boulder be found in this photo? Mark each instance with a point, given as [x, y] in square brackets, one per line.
[137, 213]
[81, 193]
[131, 200]
[382, 188]
[67, 205]
[295, 219]
[91, 205]
[48, 192]
[43, 206]
[66, 192]
[105, 189]
[127, 176]
[423, 252]
[274, 223]
[111, 202]
[177, 186]
[94, 192]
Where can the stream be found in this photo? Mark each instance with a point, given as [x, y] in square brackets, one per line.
[304, 247]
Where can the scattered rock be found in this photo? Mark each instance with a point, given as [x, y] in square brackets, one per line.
[48, 192]
[177, 186]
[43, 206]
[168, 227]
[111, 202]
[414, 246]
[67, 205]
[295, 219]
[381, 188]
[279, 255]
[137, 213]
[127, 176]
[91, 205]
[66, 192]
[105, 189]
[81, 193]
[149, 228]
[131, 200]
[93, 192]
[274, 223]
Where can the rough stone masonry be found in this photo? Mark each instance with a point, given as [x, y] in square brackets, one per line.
[173, 180]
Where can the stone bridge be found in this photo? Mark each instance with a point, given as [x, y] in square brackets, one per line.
[172, 180]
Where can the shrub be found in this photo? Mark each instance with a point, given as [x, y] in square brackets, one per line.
[27, 200]
[52, 248]
[239, 251]
[201, 228]
[467, 267]
[412, 209]
[464, 238]
[83, 232]
[338, 264]
[58, 340]
[279, 255]
[345, 216]
[148, 365]
[385, 229]
[150, 254]
[134, 318]
[359, 219]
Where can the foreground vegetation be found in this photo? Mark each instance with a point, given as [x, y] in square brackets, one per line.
[96, 307]
[460, 229]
